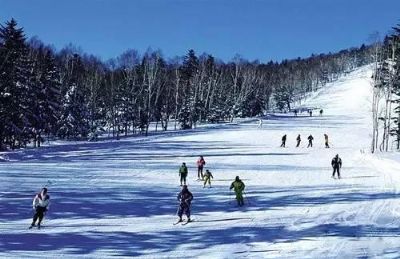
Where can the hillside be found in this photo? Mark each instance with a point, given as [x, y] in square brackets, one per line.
[119, 197]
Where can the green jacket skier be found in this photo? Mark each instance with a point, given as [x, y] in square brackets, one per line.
[183, 172]
[238, 186]
[207, 178]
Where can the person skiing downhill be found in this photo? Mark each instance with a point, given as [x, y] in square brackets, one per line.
[185, 198]
[310, 140]
[336, 165]
[183, 172]
[238, 186]
[283, 141]
[207, 178]
[200, 165]
[40, 204]
[326, 141]
[298, 139]
[321, 112]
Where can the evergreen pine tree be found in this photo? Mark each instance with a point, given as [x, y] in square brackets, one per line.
[15, 84]
[75, 113]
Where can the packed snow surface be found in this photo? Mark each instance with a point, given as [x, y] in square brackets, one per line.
[118, 198]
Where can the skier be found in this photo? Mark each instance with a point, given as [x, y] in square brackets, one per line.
[298, 140]
[183, 172]
[321, 112]
[200, 165]
[207, 178]
[185, 198]
[260, 123]
[40, 204]
[295, 113]
[310, 112]
[310, 139]
[336, 165]
[283, 141]
[238, 186]
[326, 141]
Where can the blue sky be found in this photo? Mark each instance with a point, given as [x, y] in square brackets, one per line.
[255, 29]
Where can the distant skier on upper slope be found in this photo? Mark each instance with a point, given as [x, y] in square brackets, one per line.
[336, 165]
[284, 141]
[310, 140]
[260, 123]
[326, 140]
[298, 139]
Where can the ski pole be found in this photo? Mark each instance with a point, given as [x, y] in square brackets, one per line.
[48, 183]
[247, 199]
[230, 197]
[177, 210]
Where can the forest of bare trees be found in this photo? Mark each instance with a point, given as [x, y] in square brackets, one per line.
[386, 93]
[72, 95]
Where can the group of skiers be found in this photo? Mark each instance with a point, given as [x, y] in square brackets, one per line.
[41, 200]
[310, 141]
[310, 112]
[185, 197]
[206, 177]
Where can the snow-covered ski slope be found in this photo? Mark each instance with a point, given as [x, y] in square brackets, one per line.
[119, 198]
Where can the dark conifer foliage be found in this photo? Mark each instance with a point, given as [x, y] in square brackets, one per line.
[72, 95]
[17, 91]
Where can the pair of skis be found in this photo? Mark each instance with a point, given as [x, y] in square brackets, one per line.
[35, 226]
[183, 222]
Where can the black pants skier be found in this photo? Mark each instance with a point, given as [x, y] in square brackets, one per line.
[326, 144]
[309, 144]
[39, 214]
[184, 208]
[336, 169]
[200, 172]
[183, 178]
[283, 143]
[298, 143]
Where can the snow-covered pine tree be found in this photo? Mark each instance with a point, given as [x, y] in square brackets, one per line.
[186, 115]
[45, 93]
[15, 83]
[51, 88]
[74, 121]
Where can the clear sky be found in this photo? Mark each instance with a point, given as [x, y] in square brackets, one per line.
[255, 29]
